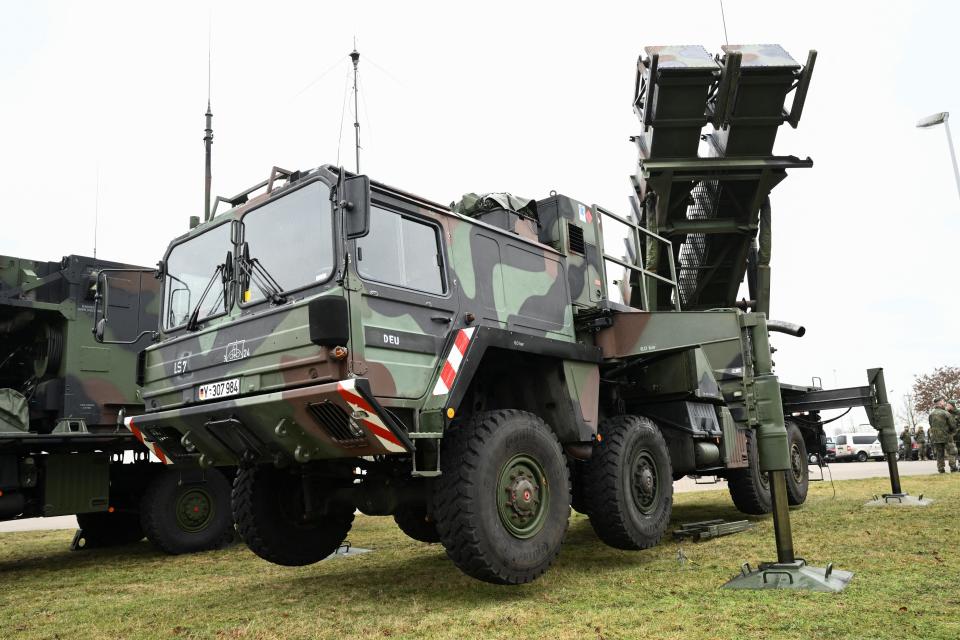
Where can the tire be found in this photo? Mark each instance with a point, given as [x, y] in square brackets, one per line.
[511, 538]
[268, 508]
[798, 477]
[578, 480]
[104, 529]
[415, 522]
[181, 516]
[629, 483]
[749, 488]
[862, 456]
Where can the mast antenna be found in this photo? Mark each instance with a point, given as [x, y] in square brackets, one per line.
[355, 56]
[96, 211]
[207, 139]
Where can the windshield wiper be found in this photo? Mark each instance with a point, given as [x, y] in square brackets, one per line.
[265, 282]
[194, 322]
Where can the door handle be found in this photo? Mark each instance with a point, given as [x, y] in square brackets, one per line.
[441, 319]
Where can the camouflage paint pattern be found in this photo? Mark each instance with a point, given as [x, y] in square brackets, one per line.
[47, 350]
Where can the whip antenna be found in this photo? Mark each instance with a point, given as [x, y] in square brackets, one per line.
[723, 16]
[207, 140]
[96, 211]
[355, 56]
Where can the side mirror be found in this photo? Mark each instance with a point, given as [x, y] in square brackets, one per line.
[99, 329]
[356, 205]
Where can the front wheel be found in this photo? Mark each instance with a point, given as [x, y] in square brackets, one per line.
[183, 515]
[503, 500]
[269, 508]
[629, 483]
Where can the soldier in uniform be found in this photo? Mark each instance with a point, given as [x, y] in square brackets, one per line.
[954, 408]
[905, 443]
[921, 443]
[942, 428]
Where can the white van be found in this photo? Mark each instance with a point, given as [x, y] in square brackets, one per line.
[858, 446]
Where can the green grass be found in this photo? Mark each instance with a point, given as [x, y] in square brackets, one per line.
[905, 560]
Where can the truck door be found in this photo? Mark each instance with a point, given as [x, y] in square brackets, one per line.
[401, 301]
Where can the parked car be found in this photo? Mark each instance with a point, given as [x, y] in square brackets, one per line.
[858, 446]
[831, 447]
[915, 451]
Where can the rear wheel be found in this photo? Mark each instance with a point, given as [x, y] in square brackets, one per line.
[503, 501]
[750, 488]
[862, 456]
[180, 515]
[629, 483]
[106, 529]
[798, 477]
[268, 506]
[417, 524]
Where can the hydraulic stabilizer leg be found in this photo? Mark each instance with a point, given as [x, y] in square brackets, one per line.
[781, 517]
[766, 415]
[880, 415]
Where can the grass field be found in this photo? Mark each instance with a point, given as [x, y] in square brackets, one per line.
[907, 583]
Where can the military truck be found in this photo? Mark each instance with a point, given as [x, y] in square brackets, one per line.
[63, 447]
[474, 370]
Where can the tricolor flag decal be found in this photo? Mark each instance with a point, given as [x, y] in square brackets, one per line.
[449, 372]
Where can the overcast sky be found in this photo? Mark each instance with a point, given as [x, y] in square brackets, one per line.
[514, 96]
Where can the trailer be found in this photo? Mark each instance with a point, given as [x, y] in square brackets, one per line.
[63, 447]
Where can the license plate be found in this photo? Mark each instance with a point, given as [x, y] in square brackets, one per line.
[220, 389]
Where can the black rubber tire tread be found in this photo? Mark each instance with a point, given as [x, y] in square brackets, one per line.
[614, 516]
[467, 519]
[415, 522]
[160, 523]
[267, 530]
[797, 491]
[749, 495]
[578, 481]
[104, 529]
[862, 456]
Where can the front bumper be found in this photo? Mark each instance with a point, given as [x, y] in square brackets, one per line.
[333, 420]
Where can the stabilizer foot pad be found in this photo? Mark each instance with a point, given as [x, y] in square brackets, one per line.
[791, 575]
[899, 500]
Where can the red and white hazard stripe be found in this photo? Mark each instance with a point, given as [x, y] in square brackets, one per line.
[154, 449]
[372, 421]
[449, 372]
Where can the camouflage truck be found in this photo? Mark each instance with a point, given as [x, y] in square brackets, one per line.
[474, 370]
[63, 447]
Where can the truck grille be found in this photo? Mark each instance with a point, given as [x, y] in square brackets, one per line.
[337, 424]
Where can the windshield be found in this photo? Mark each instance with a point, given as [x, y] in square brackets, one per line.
[190, 266]
[292, 238]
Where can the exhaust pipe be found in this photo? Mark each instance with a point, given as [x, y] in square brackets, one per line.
[786, 327]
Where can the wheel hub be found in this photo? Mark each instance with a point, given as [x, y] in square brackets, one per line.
[796, 462]
[194, 509]
[522, 496]
[644, 482]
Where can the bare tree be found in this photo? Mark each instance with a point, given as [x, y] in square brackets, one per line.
[943, 382]
[907, 413]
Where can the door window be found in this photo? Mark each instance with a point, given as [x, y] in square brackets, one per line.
[401, 251]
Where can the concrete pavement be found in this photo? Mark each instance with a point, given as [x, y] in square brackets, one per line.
[839, 470]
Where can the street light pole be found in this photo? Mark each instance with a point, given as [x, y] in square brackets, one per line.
[953, 153]
[943, 118]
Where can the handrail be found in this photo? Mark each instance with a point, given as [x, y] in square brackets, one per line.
[638, 232]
